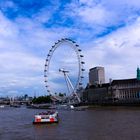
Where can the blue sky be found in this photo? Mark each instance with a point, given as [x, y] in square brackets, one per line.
[108, 32]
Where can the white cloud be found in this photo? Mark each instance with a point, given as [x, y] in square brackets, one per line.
[7, 28]
[117, 52]
[22, 53]
[115, 4]
[17, 62]
[96, 15]
[102, 16]
[89, 2]
[8, 4]
[25, 42]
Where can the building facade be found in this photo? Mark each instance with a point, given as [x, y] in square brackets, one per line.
[96, 94]
[127, 90]
[96, 76]
[124, 91]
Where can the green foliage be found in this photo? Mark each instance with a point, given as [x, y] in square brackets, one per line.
[42, 99]
[61, 94]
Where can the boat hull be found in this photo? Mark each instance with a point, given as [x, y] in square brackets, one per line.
[45, 122]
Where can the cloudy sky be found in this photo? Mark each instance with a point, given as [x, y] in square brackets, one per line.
[108, 32]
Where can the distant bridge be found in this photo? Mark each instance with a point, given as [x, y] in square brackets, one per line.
[15, 102]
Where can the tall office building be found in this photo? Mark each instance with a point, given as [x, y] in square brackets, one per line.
[96, 75]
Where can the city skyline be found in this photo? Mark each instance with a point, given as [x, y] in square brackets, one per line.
[107, 32]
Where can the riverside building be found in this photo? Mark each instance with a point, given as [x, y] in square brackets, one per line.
[123, 91]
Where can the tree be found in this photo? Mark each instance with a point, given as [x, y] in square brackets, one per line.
[61, 94]
[42, 99]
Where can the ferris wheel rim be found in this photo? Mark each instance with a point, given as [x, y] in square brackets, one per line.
[81, 63]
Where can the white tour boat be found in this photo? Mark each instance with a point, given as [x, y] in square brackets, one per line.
[46, 117]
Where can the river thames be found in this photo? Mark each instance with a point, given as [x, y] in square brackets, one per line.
[102, 123]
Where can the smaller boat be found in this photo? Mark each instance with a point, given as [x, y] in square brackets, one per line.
[46, 117]
[15, 105]
[2, 106]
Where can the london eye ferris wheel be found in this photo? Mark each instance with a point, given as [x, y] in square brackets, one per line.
[78, 81]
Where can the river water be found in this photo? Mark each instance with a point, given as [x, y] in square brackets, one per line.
[102, 123]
